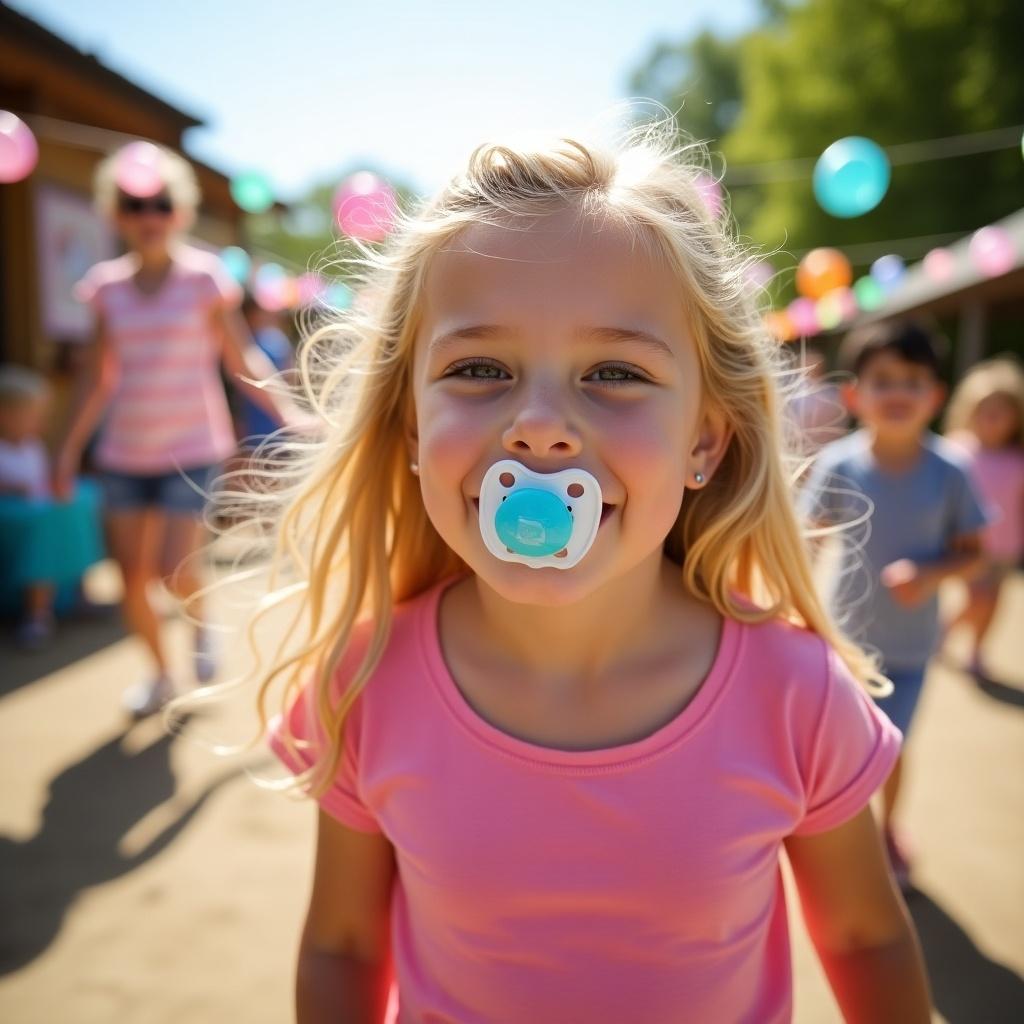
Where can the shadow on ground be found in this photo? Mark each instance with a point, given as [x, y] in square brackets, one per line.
[76, 638]
[91, 806]
[967, 986]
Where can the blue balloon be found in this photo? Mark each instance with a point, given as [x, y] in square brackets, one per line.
[888, 271]
[338, 296]
[237, 263]
[851, 177]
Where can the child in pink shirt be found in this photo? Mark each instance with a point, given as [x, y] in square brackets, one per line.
[166, 320]
[986, 417]
[556, 771]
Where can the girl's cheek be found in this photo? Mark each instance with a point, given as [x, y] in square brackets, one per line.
[452, 437]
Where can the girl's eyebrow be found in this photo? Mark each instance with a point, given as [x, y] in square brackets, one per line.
[482, 332]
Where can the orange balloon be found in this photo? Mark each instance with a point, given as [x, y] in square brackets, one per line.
[780, 325]
[821, 271]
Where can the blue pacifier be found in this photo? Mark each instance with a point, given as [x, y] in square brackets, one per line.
[539, 519]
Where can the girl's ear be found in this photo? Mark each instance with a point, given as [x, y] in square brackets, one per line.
[714, 432]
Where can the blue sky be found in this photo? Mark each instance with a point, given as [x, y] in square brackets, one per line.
[305, 90]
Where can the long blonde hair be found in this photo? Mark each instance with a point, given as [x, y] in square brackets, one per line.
[354, 535]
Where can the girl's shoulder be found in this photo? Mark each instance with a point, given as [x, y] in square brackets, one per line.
[780, 661]
[104, 274]
[408, 648]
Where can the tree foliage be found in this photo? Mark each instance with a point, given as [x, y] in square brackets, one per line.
[896, 71]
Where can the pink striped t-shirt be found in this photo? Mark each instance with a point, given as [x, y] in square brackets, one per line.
[633, 883]
[169, 410]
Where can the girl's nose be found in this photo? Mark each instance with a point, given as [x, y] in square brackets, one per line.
[541, 428]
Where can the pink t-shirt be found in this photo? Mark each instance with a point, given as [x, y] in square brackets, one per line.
[169, 410]
[633, 883]
[998, 475]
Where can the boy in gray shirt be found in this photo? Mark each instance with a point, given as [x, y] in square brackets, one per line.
[920, 519]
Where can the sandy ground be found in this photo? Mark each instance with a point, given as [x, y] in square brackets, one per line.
[147, 880]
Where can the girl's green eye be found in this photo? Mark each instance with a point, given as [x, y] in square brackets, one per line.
[488, 371]
[618, 375]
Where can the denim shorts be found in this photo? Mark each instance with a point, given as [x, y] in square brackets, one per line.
[178, 493]
[901, 704]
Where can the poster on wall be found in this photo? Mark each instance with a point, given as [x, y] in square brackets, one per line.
[71, 238]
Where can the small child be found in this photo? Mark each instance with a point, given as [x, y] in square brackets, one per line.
[561, 684]
[986, 417]
[25, 475]
[925, 520]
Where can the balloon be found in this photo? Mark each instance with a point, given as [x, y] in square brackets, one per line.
[309, 288]
[139, 169]
[252, 192]
[835, 307]
[820, 271]
[939, 265]
[237, 262]
[803, 316]
[270, 287]
[711, 192]
[18, 149]
[868, 293]
[851, 177]
[992, 251]
[339, 296]
[364, 207]
[759, 273]
[888, 271]
[780, 325]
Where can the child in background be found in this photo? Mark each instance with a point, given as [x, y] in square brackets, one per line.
[925, 520]
[561, 794]
[986, 417]
[25, 475]
[166, 316]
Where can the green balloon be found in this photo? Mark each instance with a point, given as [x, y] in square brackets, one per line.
[252, 191]
[869, 293]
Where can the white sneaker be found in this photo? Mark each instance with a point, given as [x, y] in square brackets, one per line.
[205, 654]
[147, 698]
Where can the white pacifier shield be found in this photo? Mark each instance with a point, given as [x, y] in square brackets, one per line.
[533, 521]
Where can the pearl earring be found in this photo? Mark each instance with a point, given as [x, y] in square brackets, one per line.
[415, 467]
[698, 477]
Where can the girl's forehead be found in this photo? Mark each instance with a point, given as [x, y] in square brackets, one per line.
[559, 265]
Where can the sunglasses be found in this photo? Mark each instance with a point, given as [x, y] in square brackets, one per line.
[135, 206]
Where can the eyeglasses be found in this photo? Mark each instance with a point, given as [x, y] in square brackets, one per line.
[135, 206]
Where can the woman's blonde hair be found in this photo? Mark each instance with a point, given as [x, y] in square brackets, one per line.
[354, 534]
[176, 173]
[1000, 376]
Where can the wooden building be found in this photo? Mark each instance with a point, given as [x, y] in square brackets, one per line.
[79, 111]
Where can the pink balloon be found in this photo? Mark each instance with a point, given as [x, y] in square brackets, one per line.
[18, 149]
[939, 265]
[992, 251]
[364, 207]
[804, 316]
[711, 192]
[138, 170]
[309, 288]
[760, 273]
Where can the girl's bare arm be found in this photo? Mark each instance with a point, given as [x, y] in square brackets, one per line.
[860, 925]
[344, 969]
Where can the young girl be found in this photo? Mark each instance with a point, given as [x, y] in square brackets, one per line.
[986, 416]
[557, 794]
[166, 318]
